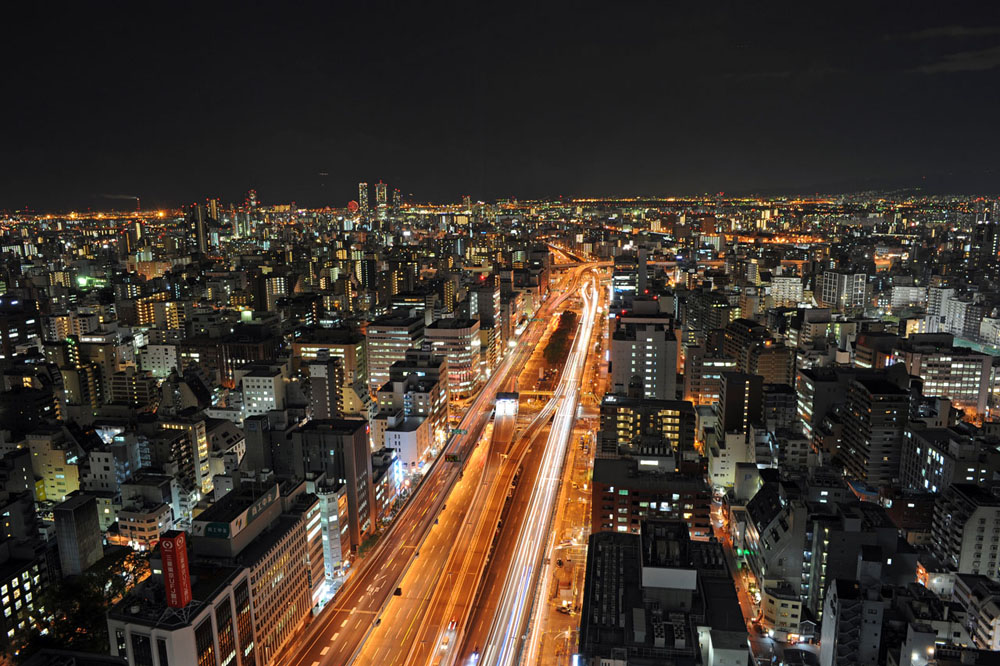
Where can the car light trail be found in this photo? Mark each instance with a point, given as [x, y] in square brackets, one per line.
[506, 634]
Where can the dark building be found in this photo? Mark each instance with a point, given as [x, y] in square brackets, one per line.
[339, 449]
[627, 491]
[741, 401]
[78, 533]
[872, 442]
[20, 323]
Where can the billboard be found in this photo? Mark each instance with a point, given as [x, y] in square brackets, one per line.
[176, 576]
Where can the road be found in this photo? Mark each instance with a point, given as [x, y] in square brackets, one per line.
[510, 626]
[558, 607]
[424, 624]
[340, 630]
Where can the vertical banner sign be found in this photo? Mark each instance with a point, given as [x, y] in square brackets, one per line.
[176, 576]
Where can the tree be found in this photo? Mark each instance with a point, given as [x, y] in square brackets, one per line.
[72, 614]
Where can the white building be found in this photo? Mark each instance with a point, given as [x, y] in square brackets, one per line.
[458, 340]
[647, 351]
[263, 391]
[160, 360]
[906, 296]
[787, 291]
[411, 439]
[843, 291]
[957, 373]
[389, 338]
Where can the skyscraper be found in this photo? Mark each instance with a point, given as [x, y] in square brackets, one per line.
[198, 226]
[363, 199]
[213, 209]
[381, 201]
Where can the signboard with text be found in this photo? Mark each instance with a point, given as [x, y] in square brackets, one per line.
[176, 575]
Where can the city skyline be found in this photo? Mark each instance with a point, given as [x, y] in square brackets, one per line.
[381, 334]
[530, 103]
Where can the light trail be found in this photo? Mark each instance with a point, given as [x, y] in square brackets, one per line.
[506, 636]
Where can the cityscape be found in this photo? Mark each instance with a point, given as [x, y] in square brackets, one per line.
[396, 407]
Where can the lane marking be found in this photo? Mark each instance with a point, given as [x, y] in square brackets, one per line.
[323, 652]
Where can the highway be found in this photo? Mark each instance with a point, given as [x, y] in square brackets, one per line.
[341, 630]
[506, 640]
[424, 624]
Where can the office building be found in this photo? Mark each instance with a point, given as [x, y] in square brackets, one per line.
[459, 342]
[78, 534]
[647, 354]
[363, 201]
[634, 425]
[966, 530]
[843, 291]
[960, 374]
[627, 491]
[337, 363]
[935, 458]
[263, 391]
[241, 591]
[389, 337]
[741, 402]
[874, 417]
[339, 450]
[703, 375]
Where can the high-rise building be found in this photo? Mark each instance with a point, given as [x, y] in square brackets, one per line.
[625, 492]
[935, 458]
[958, 373]
[645, 354]
[852, 625]
[417, 389]
[194, 430]
[843, 291]
[55, 461]
[965, 534]
[458, 340]
[338, 449]
[775, 363]
[787, 291]
[740, 338]
[937, 305]
[389, 337]
[337, 361]
[20, 324]
[634, 425]
[363, 204]
[381, 201]
[703, 374]
[874, 417]
[78, 533]
[256, 557]
[199, 227]
[263, 391]
[741, 402]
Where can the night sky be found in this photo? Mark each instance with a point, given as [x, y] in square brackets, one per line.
[179, 102]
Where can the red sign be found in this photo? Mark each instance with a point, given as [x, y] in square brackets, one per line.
[176, 576]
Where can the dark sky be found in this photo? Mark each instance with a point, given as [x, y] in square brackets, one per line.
[178, 102]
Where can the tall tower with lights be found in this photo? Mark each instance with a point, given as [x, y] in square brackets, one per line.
[363, 200]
